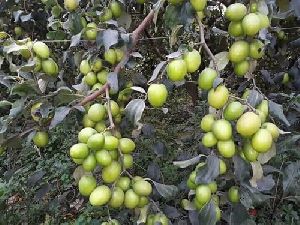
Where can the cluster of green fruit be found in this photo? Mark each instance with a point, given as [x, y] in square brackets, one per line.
[159, 218]
[243, 24]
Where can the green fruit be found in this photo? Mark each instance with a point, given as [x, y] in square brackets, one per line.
[191, 185]
[89, 164]
[116, 9]
[50, 67]
[71, 5]
[251, 24]
[100, 126]
[78, 161]
[264, 20]
[248, 124]
[117, 198]
[256, 49]
[114, 222]
[41, 50]
[115, 109]
[18, 31]
[97, 86]
[218, 214]
[233, 194]
[79, 151]
[223, 167]
[110, 56]
[175, 2]
[273, 129]
[207, 122]
[206, 78]
[111, 172]
[111, 143]
[131, 199]
[262, 141]
[150, 219]
[213, 187]
[83, 22]
[106, 15]
[40, 139]
[236, 12]
[103, 158]
[123, 183]
[218, 97]
[90, 79]
[87, 122]
[96, 65]
[263, 107]
[136, 178]
[198, 5]
[209, 140]
[38, 64]
[193, 176]
[285, 78]
[87, 184]
[222, 130]
[233, 110]
[102, 76]
[157, 95]
[126, 145]
[120, 54]
[201, 15]
[235, 29]
[84, 67]
[85, 134]
[142, 188]
[241, 68]
[197, 204]
[253, 7]
[96, 112]
[203, 194]
[114, 154]
[91, 31]
[249, 153]
[226, 148]
[176, 70]
[100, 195]
[161, 219]
[96, 141]
[192, 59]
[127, 161]
[143, 201]
[238, 51]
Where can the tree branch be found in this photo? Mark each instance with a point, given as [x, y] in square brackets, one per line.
[111, 122]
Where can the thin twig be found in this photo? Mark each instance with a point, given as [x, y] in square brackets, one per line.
[244, 101]
[111, 122]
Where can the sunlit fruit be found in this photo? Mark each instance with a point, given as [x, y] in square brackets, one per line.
[38, 64]
[236, 12]
[111, 143]
[198, 5]
[102, 76]
[262, 140]
[79, 151]
[213, 187]
[123, 183]
[127, 161]
[41, 50]
[100, 195]
[87, 122]
[40, 139]
[50, 67]
[96, 112]
[218, 97]
[85, 134]
[226, 148]
[222, 130]
[235, 29]
[206, 78]
[115, 109]
[273, 129]
[91, 31]
[110, 56]
[249, 153]
[86, 185]
[192, 59]
[131, 199]
[233, 194]
[223, 167]
[120, 54]
[106, 15]
[256, 49]
[157, 94]
[126, 145]
[103, 157]
[89, 164]
[71, 5]
[117, 198]
[115, 8]
[96, 141]
[263, 106]
[90, 79]
[264, 20]
[203, 194]
[177, 70]
[142, 188]
[84, 67]
[233, 110]
[248, 124]
[96, 65]
[238, 51]
[207, 122]
[209, 140]
[111, 172]
[241, 68]
[197, 204]
[251, 24]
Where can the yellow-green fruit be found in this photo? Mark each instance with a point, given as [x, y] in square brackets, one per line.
[198, 5]
[111, 172]
[248, 124]
[100, 195]
[90, 79]
[25, 53]
[79, 151]
[50, 67]
[91, 31]
[85, 134]
[86, 185]
[127, 161]
[201, 15]
[87, 122]
[246, 94]
[207, 122]
[115, 109]
[140, 1]
[102, 76]
[175, 2]
[111, 143]
[71, 5]
[241, 68]
[100, 126]
[236, 12]
[206, 78]
[235, 29]
[38, 64]
[40, 139]
[262, 141]
[203, 194]
[161, 219]
[209, 140]
[263, 107]
[123, 183]
[192, 59]
[273, 129]
[117, 198]
[197, 204]
[84, 67]
[97, 86]
[97, 65]
[83, 22]
[157, 95]
[78, 161]
[264, 20]
[89, 164]
[218, 97]
[103, 158]
[116, 9]
[233, 194]
[233, 110]
[136, 178]
[41, 50]
[239, 51]
[256, 49]
[96, 141]
[249, 153]
[114, 154]
[143, 201]
[34, 109]
[226, 148]
[142, 188]
[223, 167]
[176, 70]
[126, 145]
[131, 199]
[285, 78]
[96, 112]
[222, 130]
[106, 15]
[193, 176]
[110, 56]
[213, 187]
[120, 54]
[150, 219]
[191, 185]
[251, 24]
[218, 214]
[18, 31]
[253, 7]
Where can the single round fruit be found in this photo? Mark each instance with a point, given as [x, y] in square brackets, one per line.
[193, 176]
[91, 31]
[218, 214]
[79, 151]
[103, 158]
[241, 68]
[253, 7]
[264, 20]
[136, 178]
[111, 143]
[203, 194]
[263, 107]
[209, 140]
[115, 8]
[123, 183]
[226, 148]
[87, 122]
[213, 187]
[41, 50]
[143, 201]
[89, 164]
[96, 65]
[127, 161]
[106, 15]
[256, 49]
[238, 51]
[96, 112]
[120, 54]
[117, 198]
[236, 12]
[50, 67]
[251, 24]
[38, 64]
[131, 199]
[222, 130]
[18, 31]
[176, 70]
[249, 153]
[218, 97]
[273, 129]
[198, 5]
[100, 126]
[248, 124]
[100, 195]
[115, 109]
[223, 167]
[262, 141]
[96, 141]
[161, 219]
[285, 78]
[157, 95]
[110, 56]
[126, 145]
[207, 122]
[233, 110]
[90, 79]
[111, 172]
[78, 161]
[206, 78]
[97, 86]
[142, 188]
[201, 15]
[40, 139]
[102, 76]
[235, 29]
[71, 5]
[191, 185]
[192, 59]
[233, 194]
[84, 67]
[85, 134]
[114, 154]
[86, 185]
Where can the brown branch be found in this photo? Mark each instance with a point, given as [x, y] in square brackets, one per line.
[94, 95]
[111, 122]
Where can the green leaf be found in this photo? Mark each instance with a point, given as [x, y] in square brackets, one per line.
[5, 103]
[265, 157]
[113, 82]
[208, 172]
[222, 60]
[59, 116]
[56, 35]
[207, 214]
[288, 144]
[134, 110]
[28, 87]
[254, 98]
[241, 169]
[166, 191]
[189, 162]
[291, 178]
[276, 110]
